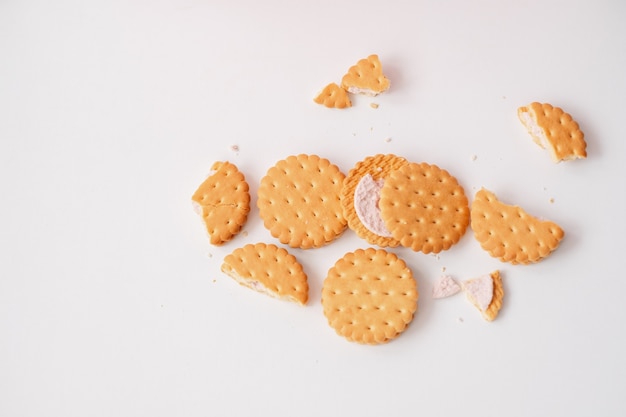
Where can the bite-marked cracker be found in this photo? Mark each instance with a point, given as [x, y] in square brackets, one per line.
[366, 77]
[268, 269]
[369, 296]
[424, 207]
[485, 293]
[223, 201]
[555, 130]
[510, 234]
[298, 200]
[375, 169]
[333, 96]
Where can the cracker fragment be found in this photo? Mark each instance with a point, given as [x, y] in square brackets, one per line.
[445, 286]
[333, 96]
[369, 296]
[485, 293]
[509, 233]
[553, 129]
[268, 269]
[424, 207]
[223, 202]
[366, 77]
[299, 202]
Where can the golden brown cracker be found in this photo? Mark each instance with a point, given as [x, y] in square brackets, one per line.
[366, 77]
[424, 207]
[497, 295]
[554, 129]
[379, 167]
[223, 201]
[333, 96]
[369, 296]
[510, 234]
[268, 269]
[298, 200]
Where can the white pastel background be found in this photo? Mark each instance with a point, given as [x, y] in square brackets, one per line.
[112, 302]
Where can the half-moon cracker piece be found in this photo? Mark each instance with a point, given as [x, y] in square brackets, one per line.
[555, 130]
[424, 207]
[379, 168]
[268, 269]
[510, 234]
[366, 77]
[369, 296]
[223, 201]
[298, 200]
[333, 96]
[485, 293]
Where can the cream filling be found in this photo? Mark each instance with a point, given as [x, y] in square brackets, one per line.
[535, 131]
[366, 197]
[480, 291]
[445, 286]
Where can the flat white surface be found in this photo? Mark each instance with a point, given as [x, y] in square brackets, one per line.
[111, 114]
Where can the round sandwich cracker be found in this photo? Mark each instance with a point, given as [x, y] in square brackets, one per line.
[360, 196]
[510, 234]
[223, 201]
[369, 296]
[424, 207]
[299, 201]
[268, 269]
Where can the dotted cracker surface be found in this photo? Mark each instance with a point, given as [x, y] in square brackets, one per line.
[496, 300]
[333, 96]
[369, 296]
[268, 269]
[509, 233]
[565, 139]
[424, 207]
[366, 77]
[223, 201]
[379, 167]
[299, 203]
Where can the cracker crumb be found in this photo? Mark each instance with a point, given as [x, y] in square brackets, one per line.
[374, 105]
[474, 157]
[234, 148]
[387, 139]
[460, 319]
[214, 281]
[551, 200]
[244, 233]
[210, 255]
[443, 269]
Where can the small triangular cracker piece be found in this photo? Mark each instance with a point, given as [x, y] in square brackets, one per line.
[510, 234]
[485, 293]
[553, 129]
[268, 269]
[223, 201]
[366, 77]
[333, 96]
[445, 286]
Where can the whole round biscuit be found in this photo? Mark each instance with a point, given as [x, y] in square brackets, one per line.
[424, 207]
[298, 200]
[379, 167]
[369, 296]
[223, 201]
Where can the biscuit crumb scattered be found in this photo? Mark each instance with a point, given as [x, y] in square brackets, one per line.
[214, 281]
[244, 233]
[210, 255]
[551, 200]
[474, 157]
[374, 105]
[387, 139]
[460, 319]
[234, 148]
